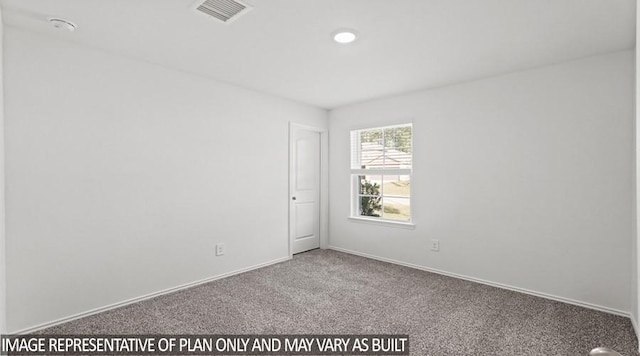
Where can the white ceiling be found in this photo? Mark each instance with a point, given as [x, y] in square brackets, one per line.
[283, 47]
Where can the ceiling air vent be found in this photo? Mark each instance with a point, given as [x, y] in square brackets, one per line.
[223, 10]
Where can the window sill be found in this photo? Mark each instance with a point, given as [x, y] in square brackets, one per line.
[390, 223]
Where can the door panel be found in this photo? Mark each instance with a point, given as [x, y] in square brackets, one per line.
[305, 220]
[305, 190]
[304, 172]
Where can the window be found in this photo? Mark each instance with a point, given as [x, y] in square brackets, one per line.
[381, 160]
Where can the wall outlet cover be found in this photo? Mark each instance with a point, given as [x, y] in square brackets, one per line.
[435, 245]
[220, 249]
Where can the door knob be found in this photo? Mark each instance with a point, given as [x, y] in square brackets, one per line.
[293, 198]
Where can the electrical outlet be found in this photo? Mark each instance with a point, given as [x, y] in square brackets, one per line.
[220, 249]
[435, 245]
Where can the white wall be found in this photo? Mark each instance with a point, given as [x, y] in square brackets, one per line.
[524, 178]
[121, 177]
[3, 299]
[636, 211]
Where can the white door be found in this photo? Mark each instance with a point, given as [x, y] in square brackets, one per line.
[304, 197]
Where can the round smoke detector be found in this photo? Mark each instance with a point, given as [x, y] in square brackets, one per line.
[63, 24]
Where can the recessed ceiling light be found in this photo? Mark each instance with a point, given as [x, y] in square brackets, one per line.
[345, 36]
[63, 24]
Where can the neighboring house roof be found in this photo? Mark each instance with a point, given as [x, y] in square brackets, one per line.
[373, 155]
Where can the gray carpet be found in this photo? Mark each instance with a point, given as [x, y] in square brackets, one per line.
[328, 292]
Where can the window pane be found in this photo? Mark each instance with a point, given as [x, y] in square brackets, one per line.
[397, 208]
[397, 186]
[398, 138]
[369, 199]
[397, 143]
[369, 185]
[371, 150]
[370, 206]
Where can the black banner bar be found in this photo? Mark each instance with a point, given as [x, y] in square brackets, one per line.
[204, 345]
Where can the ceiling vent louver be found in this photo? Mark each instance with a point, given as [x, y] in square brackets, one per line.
[223, 10]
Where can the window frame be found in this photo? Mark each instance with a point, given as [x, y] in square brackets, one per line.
[355, 173]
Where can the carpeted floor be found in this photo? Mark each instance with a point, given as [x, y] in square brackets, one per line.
[328, 292]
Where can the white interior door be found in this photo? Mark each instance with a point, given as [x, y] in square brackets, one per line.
[304, 209]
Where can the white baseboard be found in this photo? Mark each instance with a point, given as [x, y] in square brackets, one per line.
[489, 283]
[145, 297]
